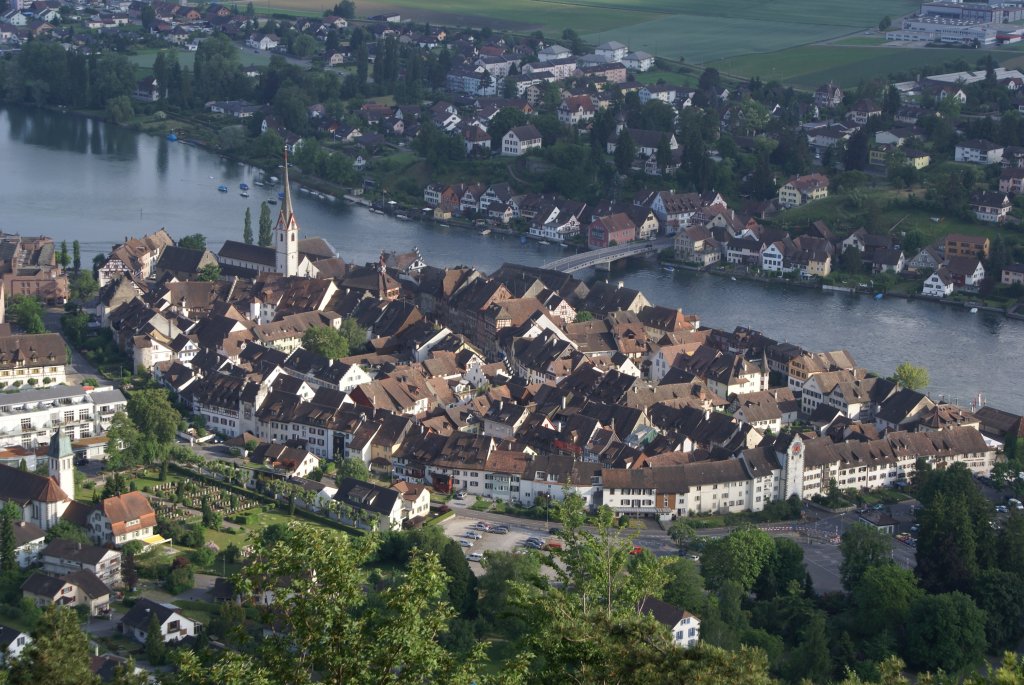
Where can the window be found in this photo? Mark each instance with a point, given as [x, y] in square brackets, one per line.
[69, 416]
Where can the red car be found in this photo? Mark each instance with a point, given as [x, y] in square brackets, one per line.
[637, 550]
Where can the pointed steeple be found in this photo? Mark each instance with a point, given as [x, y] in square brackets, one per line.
[286, 232]
[287, 215]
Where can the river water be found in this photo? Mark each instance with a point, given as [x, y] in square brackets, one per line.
[74, 178]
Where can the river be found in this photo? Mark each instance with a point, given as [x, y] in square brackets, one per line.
[70, 177]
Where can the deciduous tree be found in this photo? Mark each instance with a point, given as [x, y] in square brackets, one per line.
[266, 237]
[911, 377]
[862, 547]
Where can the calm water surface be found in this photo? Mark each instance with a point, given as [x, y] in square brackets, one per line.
[73, 178]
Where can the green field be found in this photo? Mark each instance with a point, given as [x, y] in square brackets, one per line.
[696, 31]
[144, 59]
[812, 65]
[671, 77]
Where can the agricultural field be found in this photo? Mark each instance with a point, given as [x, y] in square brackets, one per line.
[695, 31]
[810, 66]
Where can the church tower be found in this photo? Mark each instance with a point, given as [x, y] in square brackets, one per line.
[62, 467]
[286, 232]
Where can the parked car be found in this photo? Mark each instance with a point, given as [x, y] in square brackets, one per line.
[474, 556]
[1001, 509]
[637, 550]
[460, 494]
[554, 531]
[500, 530]
[472, 535]
[535, 544]
[482, 525]
[465, 543]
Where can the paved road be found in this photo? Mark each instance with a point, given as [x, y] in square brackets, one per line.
[82, 368]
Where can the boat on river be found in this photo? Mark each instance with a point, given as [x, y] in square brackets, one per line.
[243, 186]
[403, 217]
[543, 242]
[244, 193]
[879, 296]
[670, 269]
[486, 231]
[222, 188]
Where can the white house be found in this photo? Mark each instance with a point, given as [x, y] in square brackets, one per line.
[978, 152]
[638, 61]
[553, 52]
[939, 284]
[612, 51]
[12, 643]
[174, 626]
[28, 540]
[684, 626]
[519, 140]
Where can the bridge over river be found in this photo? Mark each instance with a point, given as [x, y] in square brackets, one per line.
[607, 255]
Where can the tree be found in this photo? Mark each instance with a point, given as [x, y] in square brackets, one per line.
[885, 23]
[8, 544]
[193, 241]
[326, 341]
[120, 109]
[76, 260]
[911, 377]
[625, 151]
[681, 532]
[266, 236]
[152, 412]
[739, 556]
[329, 608]
[65, 530]
[210, 272]
[83, 286]
[154, 649]
[247, 230]
[63, 258]
[346, 9]
[944, 631]
[1000, 596]
[57, 655]
[502, 122]
[148, 17]
[502, 570]
[784, 573]
[881, 601]
[26, 311]
[685, 587]
[862, 547]
[129, 571]
[582, 316]
[353, 467]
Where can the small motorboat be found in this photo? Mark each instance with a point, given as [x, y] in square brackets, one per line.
[544, 242]
[244, 194]
[222, 188]
[243, 186]
[669, 269]
[280, 196]
[172, 137]
[271, 201]
[486, 231]
[974, 310]
[402, 217]
[879, 296]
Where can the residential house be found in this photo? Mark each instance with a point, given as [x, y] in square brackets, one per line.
[383, 505]
[519, 140]
[78, 588]
[174, 626]
[606, 231]
[960, 245]
[1013, 274]
[29, 539]
[990, 207]
[967, 272]
[1011, 180]
[62, 556]
[800, 190]
[12, 643]
[828, 95]
[683, 626]
[938, 284]
[978, 152]
[122, 519]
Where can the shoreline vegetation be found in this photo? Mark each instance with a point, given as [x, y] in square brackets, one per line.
[348, 194]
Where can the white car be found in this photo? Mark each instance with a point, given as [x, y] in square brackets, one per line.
[472, 535]
[465, 543]
[474, 556]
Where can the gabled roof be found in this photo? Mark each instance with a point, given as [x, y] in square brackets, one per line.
[138, 616]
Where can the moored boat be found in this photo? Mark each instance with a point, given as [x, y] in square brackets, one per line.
[222, 188]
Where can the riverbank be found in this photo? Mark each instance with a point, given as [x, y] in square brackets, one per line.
[1010, 311]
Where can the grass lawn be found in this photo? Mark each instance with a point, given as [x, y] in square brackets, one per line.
[860, 40]
[258, 521]
[811, 65]
[835, 211]
[144, 59]
[670, 77]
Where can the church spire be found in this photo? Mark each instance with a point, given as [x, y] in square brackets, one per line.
[286, 232]
[287, 214]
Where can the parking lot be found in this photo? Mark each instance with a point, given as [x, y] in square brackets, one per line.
[460, 526]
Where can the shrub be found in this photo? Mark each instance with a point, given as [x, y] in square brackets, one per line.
[32, 381]
[179, 580]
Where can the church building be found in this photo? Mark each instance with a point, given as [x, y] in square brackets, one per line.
[288, 254]
[43, 499]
